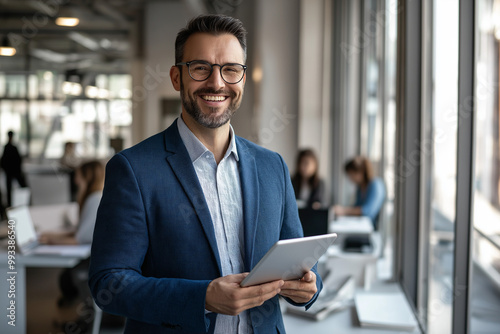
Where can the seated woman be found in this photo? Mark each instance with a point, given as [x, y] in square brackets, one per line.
[370, 192]
[89, 178]
[308, 187]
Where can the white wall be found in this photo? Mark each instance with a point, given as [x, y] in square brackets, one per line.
[162, 22]
[269, 114]
[315, 91]
[277, 54]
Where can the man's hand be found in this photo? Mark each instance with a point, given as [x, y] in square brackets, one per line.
[226, 296]
[300, 291]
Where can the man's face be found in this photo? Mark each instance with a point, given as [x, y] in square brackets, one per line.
[212, 102]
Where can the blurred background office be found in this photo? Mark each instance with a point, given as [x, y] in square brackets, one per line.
[412, 86]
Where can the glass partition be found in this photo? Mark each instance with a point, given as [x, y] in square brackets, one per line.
[485, 293]
[440, 148]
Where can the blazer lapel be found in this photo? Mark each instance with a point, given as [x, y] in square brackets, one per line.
[250, 194]
[179, 161]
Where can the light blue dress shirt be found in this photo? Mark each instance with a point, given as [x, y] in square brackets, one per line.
[222, 190]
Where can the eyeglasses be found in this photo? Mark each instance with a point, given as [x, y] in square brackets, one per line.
[200, 70]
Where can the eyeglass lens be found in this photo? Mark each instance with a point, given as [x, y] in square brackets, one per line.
[231, 73]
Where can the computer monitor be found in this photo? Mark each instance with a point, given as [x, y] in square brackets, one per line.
[26, 238]
[314, 222]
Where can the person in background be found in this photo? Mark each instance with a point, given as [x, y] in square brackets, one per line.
[89, 178]
[69, 158]
[370, 192]
[11, 163]
[308, 187]
[70, 161]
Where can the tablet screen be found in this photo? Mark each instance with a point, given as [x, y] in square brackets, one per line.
[289, 259]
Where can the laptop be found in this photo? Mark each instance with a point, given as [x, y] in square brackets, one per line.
[314, 222]
[27, 240]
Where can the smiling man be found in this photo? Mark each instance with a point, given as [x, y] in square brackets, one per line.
[187, 213]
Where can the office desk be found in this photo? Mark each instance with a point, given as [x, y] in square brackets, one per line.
[344, 321]
[23, 262]
[45, 219]
[350, 225]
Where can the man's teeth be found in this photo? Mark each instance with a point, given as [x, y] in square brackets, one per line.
[213, 98]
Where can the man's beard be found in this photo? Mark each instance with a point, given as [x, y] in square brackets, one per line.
[208, 120]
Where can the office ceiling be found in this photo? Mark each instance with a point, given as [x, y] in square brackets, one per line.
[101, 42]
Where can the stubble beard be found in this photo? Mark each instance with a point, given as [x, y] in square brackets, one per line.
[210, 120]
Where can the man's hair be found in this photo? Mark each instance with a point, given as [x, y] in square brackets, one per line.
[212, 24]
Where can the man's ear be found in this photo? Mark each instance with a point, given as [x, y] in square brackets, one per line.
[175, 77]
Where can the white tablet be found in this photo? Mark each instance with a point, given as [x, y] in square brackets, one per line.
[289, 259]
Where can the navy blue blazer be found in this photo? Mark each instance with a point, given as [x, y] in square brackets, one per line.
[154, 250]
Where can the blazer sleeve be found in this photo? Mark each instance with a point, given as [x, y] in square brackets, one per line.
[291, 228]
[119, 248]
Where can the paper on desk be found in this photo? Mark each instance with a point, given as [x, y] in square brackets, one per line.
[352, 225]
[390, 311]
[82, 251]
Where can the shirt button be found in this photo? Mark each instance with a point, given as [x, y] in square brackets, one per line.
[207, 156]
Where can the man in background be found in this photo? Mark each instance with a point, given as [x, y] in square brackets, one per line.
[11, 163]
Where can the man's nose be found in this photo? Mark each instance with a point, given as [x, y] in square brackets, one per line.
[215, 80]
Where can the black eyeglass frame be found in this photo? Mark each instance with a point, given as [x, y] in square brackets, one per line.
[187, 63]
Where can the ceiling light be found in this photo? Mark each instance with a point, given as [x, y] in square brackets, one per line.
[71, 88]
[66, 87]
[257, 74]
[47, 75]
[67, 21]
[91, 92]
[76, 90]
[6, 49]
[103, 93]
[125, 93]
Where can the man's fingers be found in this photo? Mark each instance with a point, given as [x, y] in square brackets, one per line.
[301, 290]
[260, 299]
[296, 294]
[297, 285]
[236, 278]
[261, 289]
[226, 296]
[308, 277]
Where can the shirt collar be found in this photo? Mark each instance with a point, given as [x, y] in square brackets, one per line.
[196, 148]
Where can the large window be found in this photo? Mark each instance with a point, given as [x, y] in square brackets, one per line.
[440, 195]
[445, 123]
[485, 297]
[44, 112]
[378, 114]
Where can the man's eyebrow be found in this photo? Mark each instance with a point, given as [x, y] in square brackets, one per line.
[227, 62]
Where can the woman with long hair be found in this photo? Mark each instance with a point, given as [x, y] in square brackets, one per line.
[370, 191]
[306, 183]
[89, 178]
